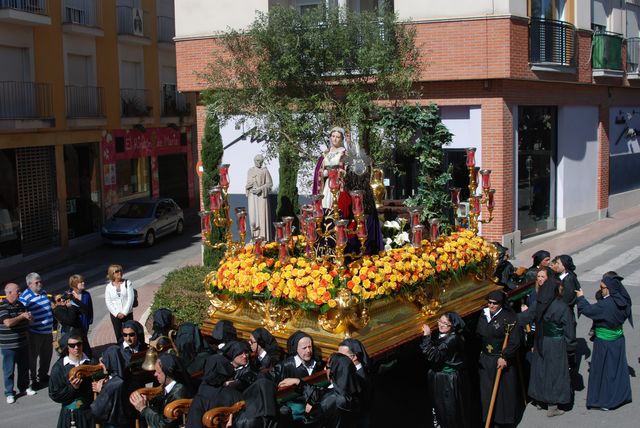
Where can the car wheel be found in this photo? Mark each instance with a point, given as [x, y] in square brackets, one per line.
[180, 227]
[150, 238]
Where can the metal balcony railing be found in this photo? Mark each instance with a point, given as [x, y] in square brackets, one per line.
[166, 29]
[84, 101]
[25, 100]
[552, 42]
[39, 7]
[134, 103]
[82, 12]
[606, 51]
[132, 21]
[633, 55]
[173, 102]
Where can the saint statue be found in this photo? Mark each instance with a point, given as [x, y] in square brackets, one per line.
[258, 186]
[333, 156]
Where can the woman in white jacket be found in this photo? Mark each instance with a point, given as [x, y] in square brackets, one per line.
[118, 297]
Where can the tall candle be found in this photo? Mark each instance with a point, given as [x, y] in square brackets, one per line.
[455, 196]
[362, 229]
[415, 216]
[279, 230]
[356, 199]
[288, 226]
[283, 254]
[215, 198]
[333, 174]
[435, 223]
[491, 201]
[417, 235]
[341, 234]
[257, 247]
[486, 174]
[471, 157]
[224, 175]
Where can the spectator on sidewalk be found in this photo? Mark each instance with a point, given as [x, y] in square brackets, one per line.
[82, 298]
[35, 299]
[68, 314]
[118, 297]
[14, 323]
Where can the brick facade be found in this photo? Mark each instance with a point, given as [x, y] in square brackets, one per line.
[481, 62]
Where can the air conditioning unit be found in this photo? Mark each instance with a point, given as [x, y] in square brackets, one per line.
[138, 23]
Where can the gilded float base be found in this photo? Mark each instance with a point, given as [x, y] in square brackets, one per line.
[381, 325]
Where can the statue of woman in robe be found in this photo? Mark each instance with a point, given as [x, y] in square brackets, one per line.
[333, 156]
[258, 186]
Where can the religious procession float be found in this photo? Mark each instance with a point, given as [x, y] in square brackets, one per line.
[337, 277]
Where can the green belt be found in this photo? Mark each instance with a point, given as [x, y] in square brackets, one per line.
[492, 348]
[76, 405]
[609, 334]
[448, 369]
[552, 329]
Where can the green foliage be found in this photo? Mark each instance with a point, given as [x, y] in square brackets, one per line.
[211, 159]
[419, 131]
[297, 75]
[182, 293]
[288, 192]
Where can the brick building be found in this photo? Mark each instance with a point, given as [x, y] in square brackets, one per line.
[90, 116]
[546, 90]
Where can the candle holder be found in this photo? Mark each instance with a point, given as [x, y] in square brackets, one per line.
[279, 226]
[486, 197]
[341, 242]
[414, 216]
[361, 232]
[417, 233]
[257, 248]
[435, 226]
[283, 251]
[241, 215]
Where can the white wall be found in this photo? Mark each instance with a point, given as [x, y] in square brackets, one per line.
[577, 161]
[465, 123]
[207, 17]
[240, 156]
[434, 9]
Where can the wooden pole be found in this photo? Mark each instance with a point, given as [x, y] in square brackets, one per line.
[496, 383]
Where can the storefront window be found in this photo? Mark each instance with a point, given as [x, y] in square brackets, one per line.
[133, 177]
[10, 233]
[83, 188]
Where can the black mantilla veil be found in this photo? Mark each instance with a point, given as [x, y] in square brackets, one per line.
[162, 323]
[342, 373]
[224, 331]
[137, 327]
[217, 370]
[619, 295]
[266, 340]
[567, 262]
[189, 342]
[234, 348]
[546, 294]
[114, 361]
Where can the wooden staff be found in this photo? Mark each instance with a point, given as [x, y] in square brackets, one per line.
[496, 384]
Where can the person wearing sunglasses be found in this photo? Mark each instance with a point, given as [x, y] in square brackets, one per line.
[75, 396]
[119, 297]
[491, 329]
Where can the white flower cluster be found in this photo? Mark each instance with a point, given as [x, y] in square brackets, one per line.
[397, 237]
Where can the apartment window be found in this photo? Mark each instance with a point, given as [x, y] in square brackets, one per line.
[78, 69]
[601, 9]
[305, 6]
[15, 64]
[633, 21]
[133, 176]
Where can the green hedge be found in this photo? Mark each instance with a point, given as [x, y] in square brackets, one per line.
[183, 293]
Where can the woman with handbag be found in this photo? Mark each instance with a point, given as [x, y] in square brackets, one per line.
[119, 297]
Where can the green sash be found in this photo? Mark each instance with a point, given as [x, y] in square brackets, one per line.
[448, 369]
[609, 334]
[552, 329]
[76, 405]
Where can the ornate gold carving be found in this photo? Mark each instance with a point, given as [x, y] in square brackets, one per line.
[349, 315]
[425, 300]
[224, 303]
[377, 185]
[274, 316]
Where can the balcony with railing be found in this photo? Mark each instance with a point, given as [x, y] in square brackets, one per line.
[82, 16]
[26, 105]
[633, 58]
[552, 45]
[84, 102]
[25, 12]
[606, 54]
[166, 29]
[132, 25]
[134, 103]
[173, 103]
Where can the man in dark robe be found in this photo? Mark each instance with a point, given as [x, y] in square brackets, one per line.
[111, 405]
[75, 395]
[609, 384]
[212, 391]
[354, 349]
[169, 373]
[237, 353]
[492, 326]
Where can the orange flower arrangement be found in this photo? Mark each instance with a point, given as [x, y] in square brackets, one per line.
[312, 284]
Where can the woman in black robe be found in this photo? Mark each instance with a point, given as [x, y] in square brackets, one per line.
[564, 267]
[261, 407]
[111, 408]
[505, 272]
[212, 391]
[74, 396]
[264, 348]
[492, 330]
[609, 385]
[191, 347]
[541, 258]
[163, 322]
[224, 331]
[555, 336]
[446, 386]
[355, 350]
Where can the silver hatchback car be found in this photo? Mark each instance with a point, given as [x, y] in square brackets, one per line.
[142, 221]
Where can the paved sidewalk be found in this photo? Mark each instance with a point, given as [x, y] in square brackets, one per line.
[571, 242]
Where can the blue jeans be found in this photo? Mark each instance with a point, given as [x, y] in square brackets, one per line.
[11, 358]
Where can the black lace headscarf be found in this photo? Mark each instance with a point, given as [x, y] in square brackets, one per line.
[619, 295]
[266, 340]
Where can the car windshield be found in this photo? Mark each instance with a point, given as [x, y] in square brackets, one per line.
[135, 210]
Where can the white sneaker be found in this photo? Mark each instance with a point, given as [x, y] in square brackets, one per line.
[11, 399]
[30, 391]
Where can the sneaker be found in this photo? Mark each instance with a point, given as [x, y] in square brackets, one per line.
[11, 399]
[30, 391]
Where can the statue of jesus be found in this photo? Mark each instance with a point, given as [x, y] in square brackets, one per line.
[258, 186]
